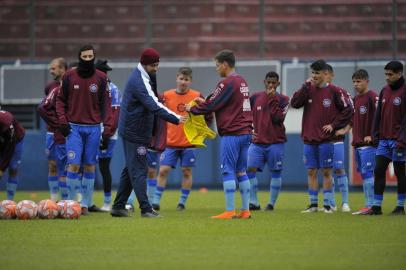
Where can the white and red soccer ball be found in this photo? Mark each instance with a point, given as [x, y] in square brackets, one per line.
[7, 209]
[26, 209]
[48, 209]
[69, 209]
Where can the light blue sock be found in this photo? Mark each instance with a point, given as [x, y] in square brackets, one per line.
[333, 195]
[313, 195]
[184, 194]
[73, 184]
[229, 187]
[53, 185]
[131, 198]
[107, 197]
[63, 188]
[158, 195]
[275, 186]
[342, 182]
[378, 200]
[327, 194]
[401, 199]
[244, 186]
[253, 188]
[11, 187]
[368, 186]
[88, 188]
[151, 187]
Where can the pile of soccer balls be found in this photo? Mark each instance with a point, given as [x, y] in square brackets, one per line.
[45, 209]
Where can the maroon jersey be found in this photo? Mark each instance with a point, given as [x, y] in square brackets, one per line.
[158, 141]
[231, 105]
[322, 106]
[390, 120]
[85, 100]
[363, 119]
[349, 101]
[51, 85]
[11, 132]
[48, 88]
[269, 114]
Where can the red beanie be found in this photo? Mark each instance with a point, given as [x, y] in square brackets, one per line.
[149, 56]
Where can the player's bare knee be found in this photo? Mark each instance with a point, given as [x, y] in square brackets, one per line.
[252, 170]
[311, 173]
[73, 168]
[187, 172]
[89, 168]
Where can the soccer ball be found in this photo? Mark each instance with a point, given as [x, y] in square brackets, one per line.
[47, 209]
[69, 209]
[7, 209]
[26, 210]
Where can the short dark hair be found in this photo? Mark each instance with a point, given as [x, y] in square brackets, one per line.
[226, 56]
[86, 47]
[272, 74]
[186, 71]
[360, 74]
[319, 65]
[395, 66]
[329, 68]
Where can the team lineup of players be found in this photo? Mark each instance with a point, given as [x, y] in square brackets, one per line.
[82, 107]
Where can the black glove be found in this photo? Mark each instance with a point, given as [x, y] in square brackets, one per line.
[65, 129]
[104, 143]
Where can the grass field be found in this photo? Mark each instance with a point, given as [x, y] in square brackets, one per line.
[283, 239]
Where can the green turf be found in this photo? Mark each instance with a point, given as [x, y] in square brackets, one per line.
[283, 239]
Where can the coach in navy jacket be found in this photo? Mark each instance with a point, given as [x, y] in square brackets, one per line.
[138, 108]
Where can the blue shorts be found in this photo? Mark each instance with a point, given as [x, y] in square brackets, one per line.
[83, 141]
[153, 159]
[338, 155]
[60, 156]
[271, 154]
[50, 146]
[16, 158]
[318, 156]
[387, 148]
[233, 154]
[108, 153]
[170, 156]
[365, 159]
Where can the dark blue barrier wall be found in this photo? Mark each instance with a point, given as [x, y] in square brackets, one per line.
[33, 170]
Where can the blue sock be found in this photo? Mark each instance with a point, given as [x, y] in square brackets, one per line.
[313, 195]
[244, 186]
[11, 187]
[107, 197]
[63, 188]
[342, 182]
[401, 199]
[158, 195]
[378, 200]
[73, 184]
[275, 186]
[253, 188]
[368, 186]
[131, 198]
[151, 186]
[53, 186]
[88, 185]
[327, 194]
[333, 195]
[184, 194]
[229, 187]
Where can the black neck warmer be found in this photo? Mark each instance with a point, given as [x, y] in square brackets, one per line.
[153, 83]
[86, 69]
[398, 84]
